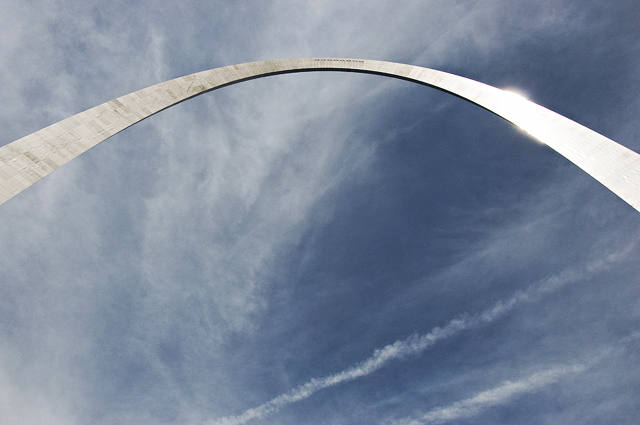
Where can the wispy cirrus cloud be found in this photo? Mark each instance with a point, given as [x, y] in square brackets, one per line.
[495, 396]
[418, 344]
[126, 273]
[508, 390]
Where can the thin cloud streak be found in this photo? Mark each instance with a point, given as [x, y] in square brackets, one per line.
[417, 344]
[494, 396]
[508, 389]
[122, 297]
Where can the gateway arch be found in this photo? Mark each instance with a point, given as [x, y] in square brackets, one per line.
[30, 158]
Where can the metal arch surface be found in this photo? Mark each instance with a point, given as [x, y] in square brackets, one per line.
[30, 158]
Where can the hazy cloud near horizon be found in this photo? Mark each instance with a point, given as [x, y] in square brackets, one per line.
[238, 246]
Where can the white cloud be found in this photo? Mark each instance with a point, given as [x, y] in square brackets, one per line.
[495, 396]
[417, 344]
[258, 159]
[508, 390]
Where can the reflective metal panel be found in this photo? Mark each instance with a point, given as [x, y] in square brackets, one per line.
[30, 158]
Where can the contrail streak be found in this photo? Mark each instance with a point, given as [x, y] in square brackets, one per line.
[417, 344]
[509, 390]
[499, 395]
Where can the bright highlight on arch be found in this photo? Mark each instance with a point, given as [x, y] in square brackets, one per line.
[30, 158]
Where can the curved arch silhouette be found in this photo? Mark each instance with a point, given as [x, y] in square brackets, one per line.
[30, 158]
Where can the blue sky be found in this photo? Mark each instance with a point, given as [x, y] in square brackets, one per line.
[322, 248]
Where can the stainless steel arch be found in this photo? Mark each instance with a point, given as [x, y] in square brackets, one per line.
[30, 158]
